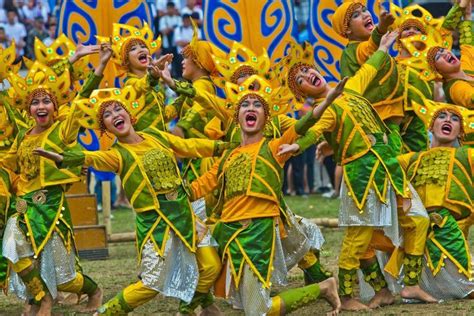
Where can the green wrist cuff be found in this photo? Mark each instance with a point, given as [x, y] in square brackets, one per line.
[376, 36]
[72, 159]
[184, 88]
[89, 286]
[466, 32]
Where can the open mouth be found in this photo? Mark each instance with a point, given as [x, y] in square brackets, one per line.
[315, 81]
[143, 58]
[250, 119]
[446, 129]
[369, 24]
[450, 59]
[119, 124]
[42, 116]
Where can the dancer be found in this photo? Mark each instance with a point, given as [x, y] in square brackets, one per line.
[168, 232]
[372, 177]
[249, 226]
[38, 239]
[442, 176]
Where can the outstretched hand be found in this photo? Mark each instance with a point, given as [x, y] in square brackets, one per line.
[288, 149]
[164, 74]
[83, 50]
[51, 155]
[332, 95]
[385, 20]
[105, 52]
[387, 40]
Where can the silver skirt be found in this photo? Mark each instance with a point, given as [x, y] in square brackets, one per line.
[204, 233]
[175, 274]
[56, 264]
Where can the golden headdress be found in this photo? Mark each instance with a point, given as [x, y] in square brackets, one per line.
[122, 34]
[286, 69]
[131, 101]
[62, 48]
[201, 51]
[39, 77]
[429, 110]
[414, 15]
[240, 60]
[274, 98]
[7, 58]
[342, 16]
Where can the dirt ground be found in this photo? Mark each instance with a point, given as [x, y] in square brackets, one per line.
[121, 269]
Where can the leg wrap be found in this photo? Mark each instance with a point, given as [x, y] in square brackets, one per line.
[200, 299]
[347, 280]
[34, 284]
[412, 268]
[315, 274]
[374, 276]
[116, 306]
[295, 298]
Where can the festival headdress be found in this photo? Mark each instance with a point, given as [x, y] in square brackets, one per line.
[274, 98]
[62, 48]
[429, 110]
[93, 107]
[286, 69]
[122, 35]
[240, 60]
[7, 58]
[342, 16]
[39, 77]
[201, 51]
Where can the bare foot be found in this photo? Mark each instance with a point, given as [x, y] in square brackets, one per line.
[415, 292]
[328, 290]
[94, 301]
[30, 309]
[382, 298]
[211, 310]
[46, 306]
[351, 304]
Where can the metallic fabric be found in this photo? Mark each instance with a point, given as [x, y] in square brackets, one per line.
[204, 233]
[447, 284]
[312, 232]
[176, 274]
[375, 213]
[57, 265]
[280, 268]
[296, 244]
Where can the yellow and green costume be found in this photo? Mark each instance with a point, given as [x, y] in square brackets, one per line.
[249, 226]
[40, 227]
[167, 231]
[442, 177]
[372, 176]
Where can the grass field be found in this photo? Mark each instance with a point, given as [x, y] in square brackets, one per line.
[120, 270]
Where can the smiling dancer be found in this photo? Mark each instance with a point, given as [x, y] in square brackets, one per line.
[38, 238]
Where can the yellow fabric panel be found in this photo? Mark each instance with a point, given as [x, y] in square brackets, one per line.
[415, 230]
[189, 148]
[362, 78]
[365, 50]
[404, 160]
[202, 84]
[434, 196]
[327, 123]
[73, 286]
[285, 122]
[107, 160]
[308, 260]
[467, 58]
[209, 265]
[22, 264]
[137, 294]
[210, 101]
[205, 183]
[462, 93]
[354, 246]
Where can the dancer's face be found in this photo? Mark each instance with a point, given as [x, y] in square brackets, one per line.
[42, 110]
[361, 24]
[411, 31]
[252, 116]
[138, 57]
[446, 127]
[446, 62]
[310, 82]
[189, 68]
[116, 120]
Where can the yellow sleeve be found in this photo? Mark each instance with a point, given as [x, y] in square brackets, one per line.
[365, 50]
[363, 77]
[286, 122]
[205, 183]
[140, 85]
[462, 93]
[191, 147]
[107, 160]
[288, 137]
[212, 102]
[327, 123]
[467, 58]
[9, 159]
[404, 160]
[202, 86]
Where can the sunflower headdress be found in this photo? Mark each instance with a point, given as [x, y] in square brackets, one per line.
[240, 61]
[201, 51]
[429, 110]
[39, 79]
[61, 49]
[124, 37]
[286, 69]
[94, 106]
[275, 99]
[7, 58]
